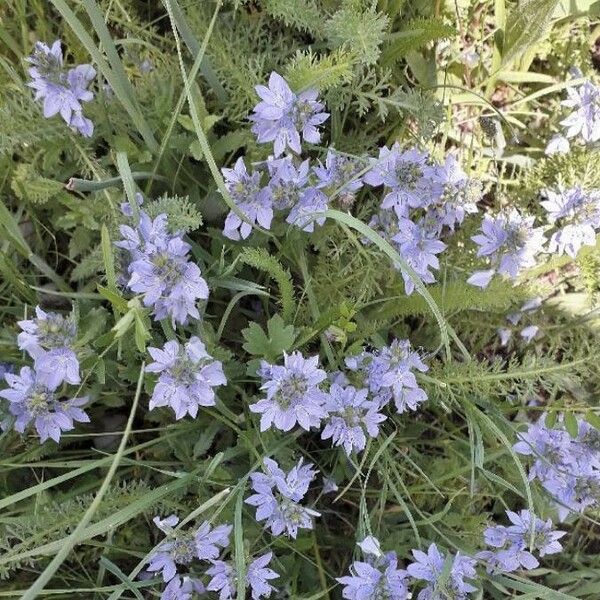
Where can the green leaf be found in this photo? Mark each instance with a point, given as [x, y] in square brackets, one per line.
[271, 345]
[571, 424]
[525, 25]
[593, 419]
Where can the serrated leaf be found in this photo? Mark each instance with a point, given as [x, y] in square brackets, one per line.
[272, 344]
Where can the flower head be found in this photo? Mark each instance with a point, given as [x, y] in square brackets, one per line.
[180, 548]
[32, 399]
[308, 210]
[351, 418]
[252, 200]
[61, 90]
[429, 567]
[378, 577]
[49, 340]
[278, 496]
[188, 375]
[182, 588]
[282, 116]
[292, 394]
[411, 181]
[585, 118]
[511, 544]
[577, 215]
[224, 578]
[388, 373]
[161, 271]
[511, 242]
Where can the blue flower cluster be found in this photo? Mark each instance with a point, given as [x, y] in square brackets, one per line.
[187, 377]
[204, 543]
[62, 90]
[568, 468]
[278, 496]
[160, 269]
[583, 122]
[527, 333]
[511, 543]
[35, 395]
[576, 215]
[295, 394]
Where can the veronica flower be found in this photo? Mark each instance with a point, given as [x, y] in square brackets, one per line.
[578, 214]
[418, 247]
[568, 468]
[340, 174]
[182, 588]
[511, 242]
[49, 340]
[278, 496]
[329, 486]
[585, 118]
[459, 195]
[351, 418]
[429, 567]
[188, 375]
[282, 116]
[161, 271]
[287, 183]
[389, 373]
[309, 210]
[182, 547]
[511, 543]
[32, 399]
[61, 90]
[252, 200]
[367, 581]
[292, 394]
[412, 182]
[224, 578]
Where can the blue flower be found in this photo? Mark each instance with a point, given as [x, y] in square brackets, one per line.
[62, 91]
[340, 175]
[292, 394]
[278, 496]
[161, 271]
[224, 578]
[287, 183]
[411, 181]
[250, 198]
[309, 210]
[188, 375]
[258, 577]
[351, 415]
[49, 340]
[511, 242]
[578, 214]
[511, 543]
[429, 567]
[558, 144]
[388, 373]
[182, 547]
[568, 468]
[281, 116]
[585, 118]
[182, 588]
[418, 247]
[376, 577]
[32, 399]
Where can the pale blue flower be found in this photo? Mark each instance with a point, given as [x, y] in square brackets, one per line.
[33, 400]
[585, 118]
[292, 394]
[351, 418]
[282, 116]
[188, 375]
